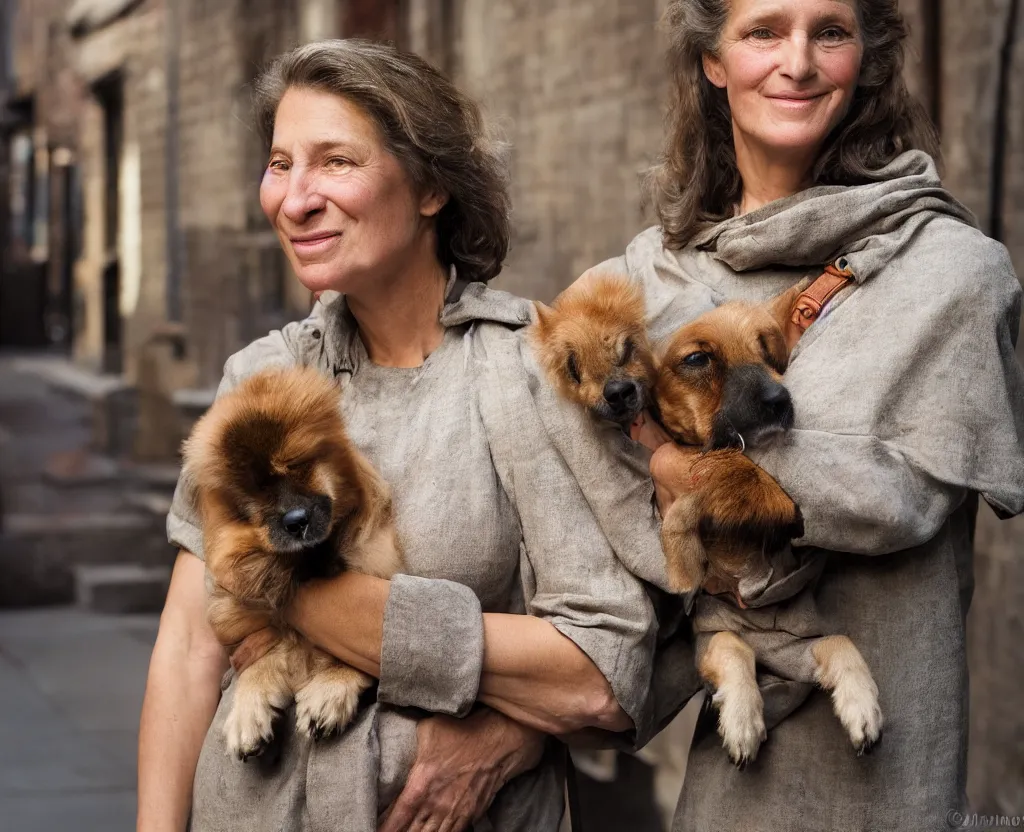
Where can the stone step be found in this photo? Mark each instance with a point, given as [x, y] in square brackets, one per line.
[84, 469]
[121, 589]
[39, 552]
[155, 503]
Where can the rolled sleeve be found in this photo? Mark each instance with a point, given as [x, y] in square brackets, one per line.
[184, 528]
[432, 652]
[570, 572]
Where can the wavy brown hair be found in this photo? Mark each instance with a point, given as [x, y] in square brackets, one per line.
[697, 182]
[435, 132]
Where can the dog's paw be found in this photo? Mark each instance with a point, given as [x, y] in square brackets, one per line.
[843, 671]
[855, 701]
[249, 728]
[740, 721]
[326, 705]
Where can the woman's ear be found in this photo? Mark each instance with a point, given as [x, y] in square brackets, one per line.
[714, 70]
[432, 202]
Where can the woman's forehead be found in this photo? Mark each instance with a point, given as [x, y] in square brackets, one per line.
[762, 9]
[315, 120]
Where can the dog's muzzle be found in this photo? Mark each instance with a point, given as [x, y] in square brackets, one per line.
[300, 523]
[754, 406]
[623, 400]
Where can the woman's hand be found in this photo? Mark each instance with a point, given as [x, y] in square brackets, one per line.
[460, 766]
[672, 472]
[670, 463]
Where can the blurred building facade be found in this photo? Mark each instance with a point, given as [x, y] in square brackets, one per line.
[132, 235]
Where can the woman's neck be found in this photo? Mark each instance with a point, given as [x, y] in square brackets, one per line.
[769, 176]
[398, 320]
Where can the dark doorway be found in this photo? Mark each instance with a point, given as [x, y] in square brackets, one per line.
[109, 93]
[22, 270]
[65, 241]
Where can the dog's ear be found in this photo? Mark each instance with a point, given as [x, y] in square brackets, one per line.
[781, 306]
[545, 317]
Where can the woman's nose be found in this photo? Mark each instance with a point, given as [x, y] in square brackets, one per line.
[797, 61]
[303, 198]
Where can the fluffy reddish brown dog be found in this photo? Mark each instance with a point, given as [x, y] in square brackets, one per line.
[593, 344]
[284, 498]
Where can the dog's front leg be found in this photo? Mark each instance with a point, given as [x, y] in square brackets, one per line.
[842, 670]
[327, 699]
[727, 663]
[261, 691]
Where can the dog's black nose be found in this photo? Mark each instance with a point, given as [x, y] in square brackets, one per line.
[620, 395]
[779, 403]
[775, 395]
[296, 522]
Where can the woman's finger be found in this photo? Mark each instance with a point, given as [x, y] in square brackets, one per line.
[405, 808]
[426, 821]
[648, 432]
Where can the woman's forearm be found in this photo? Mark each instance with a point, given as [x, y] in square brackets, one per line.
[176, 714]
[540, 678]
[531, 672]
[182, 692]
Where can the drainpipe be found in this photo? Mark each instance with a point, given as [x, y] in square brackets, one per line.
[175, 248]
[1001, 127]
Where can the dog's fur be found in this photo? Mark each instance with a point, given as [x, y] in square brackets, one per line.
[716, 385]
[593, 344]
[719, 387]
[274, 451]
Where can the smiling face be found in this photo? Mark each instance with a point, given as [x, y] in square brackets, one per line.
[789, 69]
[343, 207]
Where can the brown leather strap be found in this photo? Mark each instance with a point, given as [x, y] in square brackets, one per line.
[812, 300]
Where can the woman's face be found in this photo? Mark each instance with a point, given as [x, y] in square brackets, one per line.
[789, 68]
[342, 205]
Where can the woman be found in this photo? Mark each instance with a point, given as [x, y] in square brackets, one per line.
[793, 143]
[382, 185]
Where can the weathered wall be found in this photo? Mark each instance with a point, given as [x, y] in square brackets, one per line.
[577, 90]
[969, 39]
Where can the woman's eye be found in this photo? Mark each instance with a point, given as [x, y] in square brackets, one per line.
[834, 34]
[574, 368]
[277, 164]
[627, 351]
[696, 360]
[761, 33]
[337, 163]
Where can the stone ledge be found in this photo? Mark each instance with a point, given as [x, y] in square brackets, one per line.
[66, 376]
[121, 589]
[194, 398]
[30, 525]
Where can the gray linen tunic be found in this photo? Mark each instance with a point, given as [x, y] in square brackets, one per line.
[491, 520]
[909, 402]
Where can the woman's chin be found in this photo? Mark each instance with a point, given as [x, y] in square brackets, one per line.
[322, 278]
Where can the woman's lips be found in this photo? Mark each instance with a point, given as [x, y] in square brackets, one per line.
[311, 246]
[797, 100]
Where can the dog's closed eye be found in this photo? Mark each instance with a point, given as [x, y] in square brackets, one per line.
[573, 368]
[628, 347]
